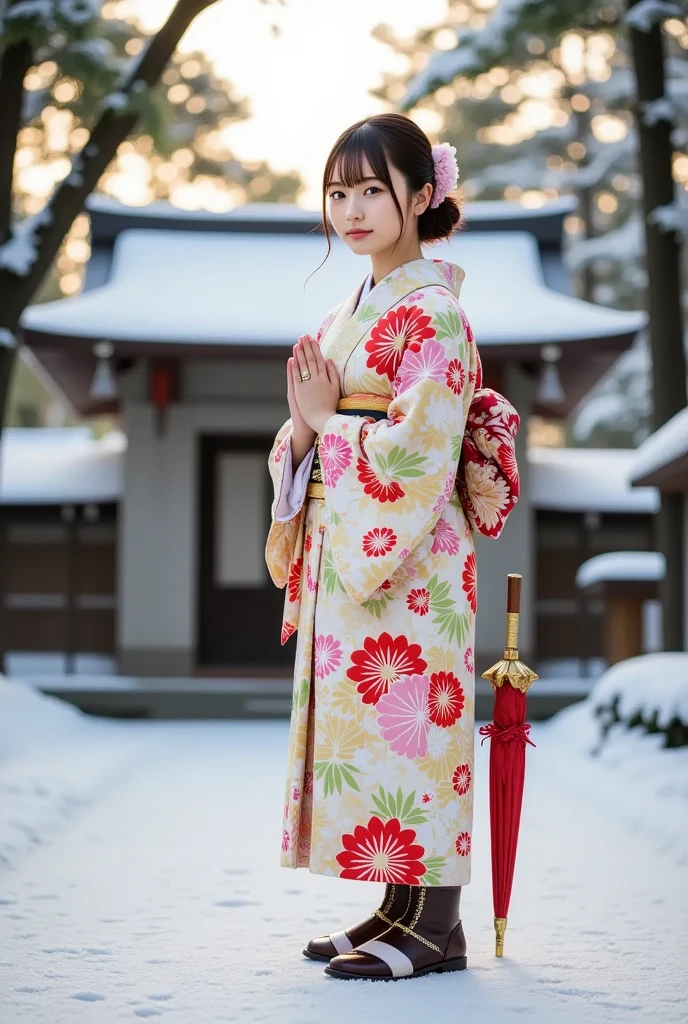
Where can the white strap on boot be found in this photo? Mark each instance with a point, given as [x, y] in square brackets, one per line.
[341, 942]
[398, 963]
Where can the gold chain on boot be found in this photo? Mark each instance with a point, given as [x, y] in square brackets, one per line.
[408, 930]
[387, 905]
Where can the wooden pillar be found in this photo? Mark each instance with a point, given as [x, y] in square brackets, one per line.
[69, 517]
[623, 627]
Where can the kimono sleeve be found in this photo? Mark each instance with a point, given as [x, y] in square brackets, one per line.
[283, 536]
[387, 482]
[488, 479]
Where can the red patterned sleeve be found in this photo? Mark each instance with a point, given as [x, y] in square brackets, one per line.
[487, 479]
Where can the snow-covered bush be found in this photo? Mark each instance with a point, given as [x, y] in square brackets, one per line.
[31, 721]
[649, 692]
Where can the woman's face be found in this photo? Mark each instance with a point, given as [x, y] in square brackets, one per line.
[365, 217]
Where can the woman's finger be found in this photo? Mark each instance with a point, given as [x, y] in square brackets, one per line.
[318, 357]
[311, 360]
[333, 376]
[301, 363]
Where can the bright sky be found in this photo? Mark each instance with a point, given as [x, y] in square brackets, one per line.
[308, 84]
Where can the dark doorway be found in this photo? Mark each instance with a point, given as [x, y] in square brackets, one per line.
[239, 607]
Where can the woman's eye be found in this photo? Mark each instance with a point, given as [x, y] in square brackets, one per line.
[374, 187]
[333, 195]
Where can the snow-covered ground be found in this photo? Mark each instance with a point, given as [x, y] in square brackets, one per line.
[141, 879]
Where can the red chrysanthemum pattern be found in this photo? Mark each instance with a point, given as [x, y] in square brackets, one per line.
[286, 840]
[463, 844]
[446, 700]
[379, 541]
[380, 663]
[403, 328]
[461, 780]
[287, 631]
[308, 542]
[456, 376]
[468, 660]
[382, 851]
[377, 488]
[418, 601]
[295, 579]
[470, 581]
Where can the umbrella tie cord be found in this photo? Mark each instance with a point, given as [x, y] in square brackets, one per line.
[409, 930]
[506, 732]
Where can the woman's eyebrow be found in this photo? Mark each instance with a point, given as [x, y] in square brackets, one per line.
[372, 178]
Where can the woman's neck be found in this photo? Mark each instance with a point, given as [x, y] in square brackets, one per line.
[385, 262]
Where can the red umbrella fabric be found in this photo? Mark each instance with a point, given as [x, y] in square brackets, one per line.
[508, 732]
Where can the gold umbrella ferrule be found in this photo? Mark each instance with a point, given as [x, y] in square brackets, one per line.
[500, 929]
[511, 645]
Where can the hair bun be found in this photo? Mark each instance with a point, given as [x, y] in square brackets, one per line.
[440, 222]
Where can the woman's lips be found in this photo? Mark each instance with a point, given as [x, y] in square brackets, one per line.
[357, 234]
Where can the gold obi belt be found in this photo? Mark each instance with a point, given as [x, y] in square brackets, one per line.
[374, 406]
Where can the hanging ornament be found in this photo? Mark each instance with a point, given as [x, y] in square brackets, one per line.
[163, 389]
[103, 385]
[550, 390]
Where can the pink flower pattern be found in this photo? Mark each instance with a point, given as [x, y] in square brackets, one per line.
[328, 655]
[403, 716]
[335, 457]
[445, 539]
[429, 363]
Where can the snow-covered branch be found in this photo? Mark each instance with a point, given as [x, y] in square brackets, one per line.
[19, 254]
[624, 244]
[645, 15]
[672, 217]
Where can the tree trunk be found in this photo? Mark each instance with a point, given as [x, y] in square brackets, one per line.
[664, 306]
[112, 127]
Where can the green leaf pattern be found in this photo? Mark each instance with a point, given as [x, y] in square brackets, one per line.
[336, 775]
[388, 805]
[450, 622]
[399, 464]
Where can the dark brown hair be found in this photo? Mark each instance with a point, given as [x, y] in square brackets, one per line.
[395, 139]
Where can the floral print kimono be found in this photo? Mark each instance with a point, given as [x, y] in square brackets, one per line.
[380, 578]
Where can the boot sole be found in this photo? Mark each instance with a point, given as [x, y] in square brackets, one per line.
[459, 963]
[317, 956]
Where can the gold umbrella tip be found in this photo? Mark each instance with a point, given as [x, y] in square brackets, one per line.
[500, 929]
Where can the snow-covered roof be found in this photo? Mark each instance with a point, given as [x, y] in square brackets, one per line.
[484, 209]
[51, 466]
[246, 211]
[249, 289]
[666, 445]
[587, 480]
[614, 566]
[55, 466]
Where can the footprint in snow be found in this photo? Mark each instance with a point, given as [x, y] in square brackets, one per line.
[237, 903]
[88, 997]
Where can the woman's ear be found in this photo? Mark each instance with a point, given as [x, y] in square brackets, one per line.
[423, 199]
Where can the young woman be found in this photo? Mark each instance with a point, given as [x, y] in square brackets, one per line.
[392, 456]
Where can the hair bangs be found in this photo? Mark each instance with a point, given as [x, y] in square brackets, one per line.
[348, 159]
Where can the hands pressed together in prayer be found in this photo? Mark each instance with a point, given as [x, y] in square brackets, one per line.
[311, 401]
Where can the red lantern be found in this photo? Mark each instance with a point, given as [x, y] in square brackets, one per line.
[163, 388]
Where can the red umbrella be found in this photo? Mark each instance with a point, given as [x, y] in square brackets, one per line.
[510, 680]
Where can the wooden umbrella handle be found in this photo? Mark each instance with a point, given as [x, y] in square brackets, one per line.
[513, 593]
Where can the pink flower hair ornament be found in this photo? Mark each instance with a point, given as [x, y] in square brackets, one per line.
[446, 172]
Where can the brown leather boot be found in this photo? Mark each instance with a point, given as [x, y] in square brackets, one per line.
[428, 938]
[393, 906]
